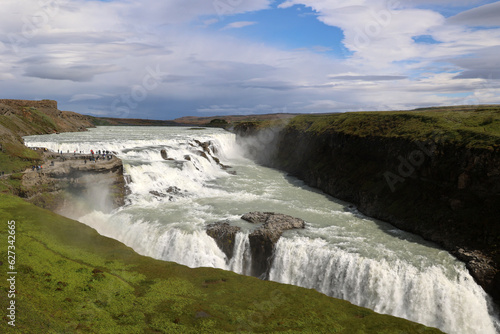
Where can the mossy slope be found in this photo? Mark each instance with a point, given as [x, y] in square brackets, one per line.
[72, 280]
[470, 126]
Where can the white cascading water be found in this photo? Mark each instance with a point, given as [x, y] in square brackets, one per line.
[340, 253]
[241, 261]
[427, 296]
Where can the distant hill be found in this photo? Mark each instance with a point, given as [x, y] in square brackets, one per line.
[216, 121]
[109, 121]
[201, 121]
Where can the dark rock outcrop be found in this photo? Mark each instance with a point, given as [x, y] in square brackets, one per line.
[174, 190]
[208, 150]
[206, 146]
[482, 268]
[170, 192]
[224, 235]
[164, 155]
[157, 194]
[263, 240]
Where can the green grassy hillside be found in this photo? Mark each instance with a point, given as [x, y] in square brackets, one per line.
[72, 280]
[471, 126]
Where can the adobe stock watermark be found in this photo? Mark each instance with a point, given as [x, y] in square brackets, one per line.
[48, 10]
[409, 165]
[226, 7]
[380, 19]
[123, 105]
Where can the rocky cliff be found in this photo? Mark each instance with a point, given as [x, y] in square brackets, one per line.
[73, 185]
[22, 117]
[431, 182]
[66, 183]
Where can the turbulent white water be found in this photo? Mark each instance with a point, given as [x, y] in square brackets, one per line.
[341, 253]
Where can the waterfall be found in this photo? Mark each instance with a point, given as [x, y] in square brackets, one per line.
[430, 296]
[191, 248]
[241, 262]
[340, 253]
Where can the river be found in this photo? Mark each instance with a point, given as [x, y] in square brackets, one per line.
[340, 253]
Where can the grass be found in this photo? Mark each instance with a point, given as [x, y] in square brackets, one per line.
[10, 164]
[15, 158]
[29, 120]
[72, 280]
[470, 126]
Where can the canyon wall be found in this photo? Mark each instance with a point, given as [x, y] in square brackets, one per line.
[440, 189]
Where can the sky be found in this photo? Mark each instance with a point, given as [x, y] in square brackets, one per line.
[164, 59]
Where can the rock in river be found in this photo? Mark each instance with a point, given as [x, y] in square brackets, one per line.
[263, 240]
[224, 235]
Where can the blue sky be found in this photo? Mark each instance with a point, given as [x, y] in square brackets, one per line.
[171, 58]
[289, 28]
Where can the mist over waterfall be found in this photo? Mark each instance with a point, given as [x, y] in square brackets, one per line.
[181, 180]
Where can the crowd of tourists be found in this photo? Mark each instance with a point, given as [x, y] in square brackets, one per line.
[94, 157]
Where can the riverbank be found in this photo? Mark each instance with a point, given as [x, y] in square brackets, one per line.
[430, 172]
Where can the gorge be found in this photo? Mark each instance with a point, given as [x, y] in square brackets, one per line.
[340, 252]
[434, 179]
[181, 181]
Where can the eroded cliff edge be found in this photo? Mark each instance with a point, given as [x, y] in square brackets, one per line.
[73, 185]
[435, 173]
[67, 182]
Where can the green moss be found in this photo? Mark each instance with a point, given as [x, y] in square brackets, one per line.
[470, 126]
[70, 279]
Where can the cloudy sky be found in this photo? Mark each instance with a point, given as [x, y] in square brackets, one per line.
[163, 59]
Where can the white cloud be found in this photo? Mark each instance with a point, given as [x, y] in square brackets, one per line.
[240, 24]
[77, 73]
[381, 35]
[209, 22]
[378, 31]
[91, 54]
[354, 77]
